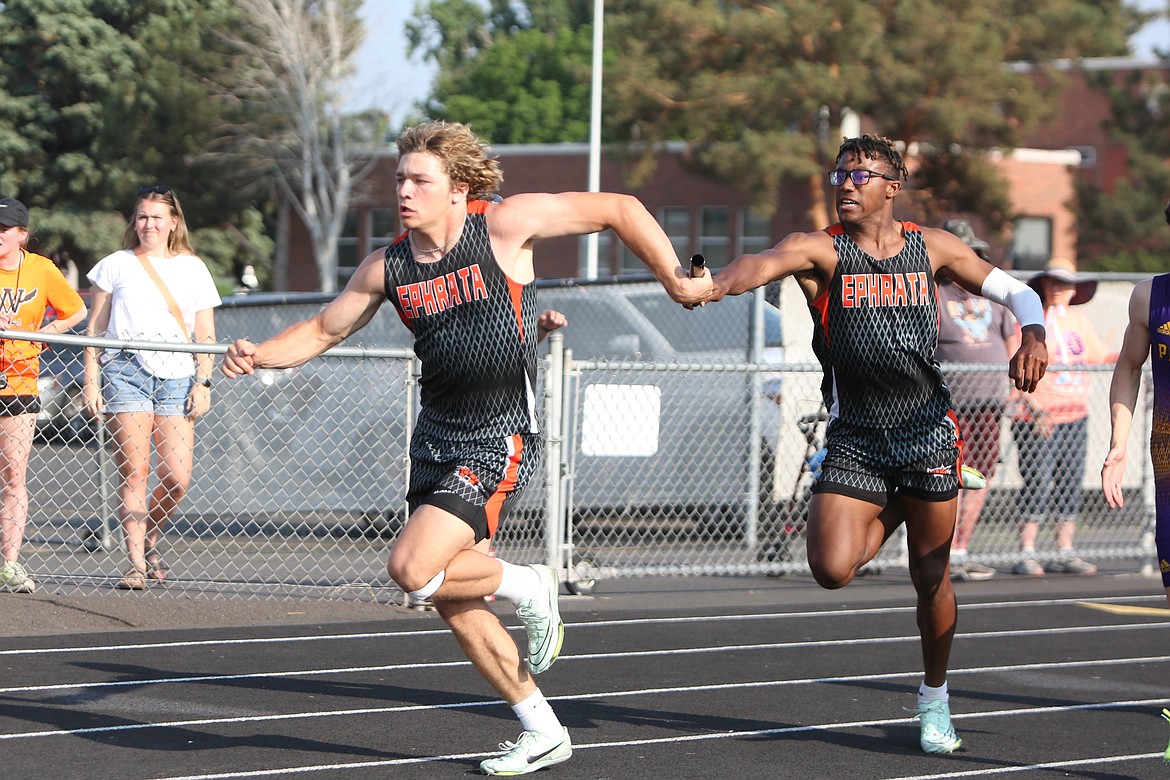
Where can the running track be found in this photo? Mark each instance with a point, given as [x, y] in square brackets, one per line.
[686, 678]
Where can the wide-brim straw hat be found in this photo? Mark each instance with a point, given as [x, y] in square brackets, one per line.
[1065, 270]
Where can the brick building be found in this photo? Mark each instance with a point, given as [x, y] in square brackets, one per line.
[704, 216]
[1081, 125]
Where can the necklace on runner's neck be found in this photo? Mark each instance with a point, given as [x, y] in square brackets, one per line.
[442, 250]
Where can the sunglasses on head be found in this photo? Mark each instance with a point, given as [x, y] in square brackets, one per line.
[157, 189]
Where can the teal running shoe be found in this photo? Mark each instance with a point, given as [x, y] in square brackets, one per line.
[14, 579]
[938, 735]
[529, 753]
[971, 478]
[1166, 755]
[541, 616]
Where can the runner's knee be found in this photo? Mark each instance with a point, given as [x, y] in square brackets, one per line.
[421, 591]
[831, 574]
[409, 575]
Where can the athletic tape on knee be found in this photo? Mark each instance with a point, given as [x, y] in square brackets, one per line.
[430, 589]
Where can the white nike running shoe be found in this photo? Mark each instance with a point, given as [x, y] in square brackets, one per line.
[530, 752]
[541, 616]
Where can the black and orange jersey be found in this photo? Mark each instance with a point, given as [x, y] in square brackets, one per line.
[875, 333]
[474, 332]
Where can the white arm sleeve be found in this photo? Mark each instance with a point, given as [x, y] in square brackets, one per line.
[1020, 299]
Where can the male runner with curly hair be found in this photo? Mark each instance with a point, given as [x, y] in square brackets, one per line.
[461, 277]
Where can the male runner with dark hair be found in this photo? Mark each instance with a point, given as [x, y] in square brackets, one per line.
[893, 452]
[461, 278]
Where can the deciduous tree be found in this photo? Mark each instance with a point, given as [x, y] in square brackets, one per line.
[1124, 229]
[292, 60]
[758, 90]
[516, 72]
[98, 97]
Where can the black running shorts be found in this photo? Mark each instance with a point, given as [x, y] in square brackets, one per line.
[478, 482]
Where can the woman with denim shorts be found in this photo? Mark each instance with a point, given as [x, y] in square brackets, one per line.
[151, 395]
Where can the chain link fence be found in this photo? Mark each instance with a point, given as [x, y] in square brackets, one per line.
[676, 443]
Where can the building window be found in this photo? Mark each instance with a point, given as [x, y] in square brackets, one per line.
[383, 228]
[605, 241]
[1031, 243]
[349, 253]
[676, 223]
[715, 235]
[380, 228]
[754, 233]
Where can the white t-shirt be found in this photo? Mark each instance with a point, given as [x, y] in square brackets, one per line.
[139, 312]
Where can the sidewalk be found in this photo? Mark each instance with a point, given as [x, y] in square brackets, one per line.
[48, 613]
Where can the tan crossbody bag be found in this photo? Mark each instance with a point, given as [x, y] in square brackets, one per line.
[173, 306]
[166, 294]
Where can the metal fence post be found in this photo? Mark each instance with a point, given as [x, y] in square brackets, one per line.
[756, 343]
[108, 543]
[555, 527]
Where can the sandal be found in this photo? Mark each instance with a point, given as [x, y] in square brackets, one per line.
[156, 567]
[134, 578]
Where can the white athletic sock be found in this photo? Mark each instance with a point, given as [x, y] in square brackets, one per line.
[518, 583]
[928, 694]
[536, 714]
[959, 554]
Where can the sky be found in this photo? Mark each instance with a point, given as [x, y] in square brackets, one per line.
[387, 80]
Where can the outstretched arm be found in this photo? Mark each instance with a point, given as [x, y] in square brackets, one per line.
[523, 219]
[795, 253]
[1123, 391]
[299, 343]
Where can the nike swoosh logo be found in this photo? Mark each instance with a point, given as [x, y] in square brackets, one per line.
[533, 759]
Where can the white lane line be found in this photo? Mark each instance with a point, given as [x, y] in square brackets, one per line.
[688, 689]
[721, 735]
[471, 756]
[224, 642]
[229, 677]
[574, 626]
[819, 643]
[1011, 770]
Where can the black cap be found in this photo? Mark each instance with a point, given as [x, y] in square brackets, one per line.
[13, 213]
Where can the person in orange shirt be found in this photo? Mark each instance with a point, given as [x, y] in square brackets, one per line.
[1050, 427]
[29, 284]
